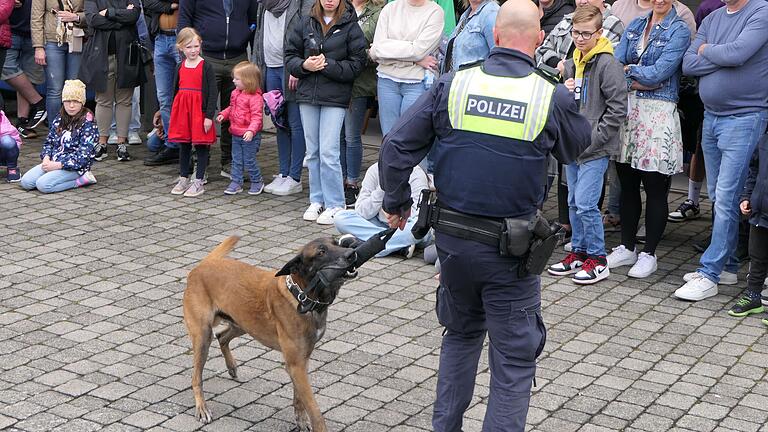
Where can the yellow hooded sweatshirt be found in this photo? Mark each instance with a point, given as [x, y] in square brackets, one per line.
[603, 46]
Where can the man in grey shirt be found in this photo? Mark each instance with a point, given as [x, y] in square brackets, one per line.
[730, 55]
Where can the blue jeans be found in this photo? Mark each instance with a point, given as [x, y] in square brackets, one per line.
[394, 99]
[49, 182]
[244, 158]
[350, 222]
[166, 58]
[322, 126]
[291, 145]
[352, 140]
[61, 65]
[614, 194]
[585, 183]
[728, 143]
[155, 144]
[9, 152]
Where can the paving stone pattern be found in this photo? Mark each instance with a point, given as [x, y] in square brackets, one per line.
[92, 339]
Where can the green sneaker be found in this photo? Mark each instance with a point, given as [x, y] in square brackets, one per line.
[765, 321]
[746, 305]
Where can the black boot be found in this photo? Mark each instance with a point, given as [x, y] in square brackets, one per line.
[166, 156]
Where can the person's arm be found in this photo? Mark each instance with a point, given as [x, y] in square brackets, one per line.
[613, 28]
[613, 88]
[6, 9]
[159, 6]
[667, 63]
[95, 20]
[187, 14]
[212, 91]
[253, 12]
[125, 16]
[348, 69]
[693, 63]
[294, 53]
[256, 103]
[405, 146]
[621, 50]
[36, 21]
[47, 149]
[754, 167]
[488, 24]
[225, 113]
[753, 37]
[425, 42]
[371, 196]
[573, 133]
[547, 52]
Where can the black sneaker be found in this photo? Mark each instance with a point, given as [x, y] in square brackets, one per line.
[99, 152]
[122, 153]
[748, 304]
[350, 195]
[687, 211]
[24, 130]
[37, 113]
[166, 156]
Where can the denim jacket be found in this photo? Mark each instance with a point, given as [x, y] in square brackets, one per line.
[660, 64]
[475, 40]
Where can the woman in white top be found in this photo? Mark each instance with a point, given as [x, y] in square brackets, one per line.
[407, 33]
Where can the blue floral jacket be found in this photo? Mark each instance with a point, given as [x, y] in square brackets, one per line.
[73, 148]
[660, 64]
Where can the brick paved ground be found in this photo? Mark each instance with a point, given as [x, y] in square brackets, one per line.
[91, 336]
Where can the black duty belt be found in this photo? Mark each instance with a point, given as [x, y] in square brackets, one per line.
[167, 32]
[480, 229]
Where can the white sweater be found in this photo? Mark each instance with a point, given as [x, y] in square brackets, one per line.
[404, 35]
[371, 196]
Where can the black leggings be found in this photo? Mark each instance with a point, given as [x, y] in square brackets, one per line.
[185, 159]
[758, 254]
[656, 209]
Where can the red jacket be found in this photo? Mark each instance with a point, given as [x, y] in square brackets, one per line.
[6, 7]
[245, 112]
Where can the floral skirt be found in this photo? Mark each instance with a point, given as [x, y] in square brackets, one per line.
[652, 139]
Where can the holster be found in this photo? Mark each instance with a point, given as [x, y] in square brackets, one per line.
[425, 220]
[545, 239]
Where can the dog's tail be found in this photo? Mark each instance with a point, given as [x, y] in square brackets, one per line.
[223, 249]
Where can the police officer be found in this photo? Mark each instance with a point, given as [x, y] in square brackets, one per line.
[496, 123]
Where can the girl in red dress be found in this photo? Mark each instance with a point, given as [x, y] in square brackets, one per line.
[192, 112]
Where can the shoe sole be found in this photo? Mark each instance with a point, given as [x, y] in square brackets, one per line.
[190, 195]
[310, 219]
[100, 158]
[722, 282]
[285, 193]
[745, 313]
[256, 193]
[123, 159]
[695, 299]
[319, 222]
[42, 119]
[621, 264]
[173, 192]
[232, 192]
[600, 277]
[642, 276]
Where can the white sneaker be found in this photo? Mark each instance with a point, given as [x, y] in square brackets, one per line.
[313, 212]
[134, 138]
[289, 186]
[726, 278]
[644, 267]
[305, 162]
[274, 183]
[112, 138]
[326, 218]
[697, 289]
[621, 256]
[568, 247]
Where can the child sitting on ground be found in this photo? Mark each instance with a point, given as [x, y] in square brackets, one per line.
[754, 203]
[597, 81]
[67, 152]
[10, 143]
[245, 112]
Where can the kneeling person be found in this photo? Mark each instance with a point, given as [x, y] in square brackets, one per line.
[368, 218]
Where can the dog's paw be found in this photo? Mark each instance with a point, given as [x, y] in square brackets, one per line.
[203, 414]
[232, 373]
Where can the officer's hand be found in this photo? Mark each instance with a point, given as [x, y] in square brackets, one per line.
[398, 221]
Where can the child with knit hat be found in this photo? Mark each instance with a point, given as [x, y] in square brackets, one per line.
[67, 152]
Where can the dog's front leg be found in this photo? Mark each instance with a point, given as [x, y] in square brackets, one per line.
[303, 400]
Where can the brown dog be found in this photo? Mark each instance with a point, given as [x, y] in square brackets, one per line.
[247, 299]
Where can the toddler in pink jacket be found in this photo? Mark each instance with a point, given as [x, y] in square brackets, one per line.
[10, 143]
[245, 113]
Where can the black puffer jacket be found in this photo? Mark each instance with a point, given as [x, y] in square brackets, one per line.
[756, 188]
[344, 49]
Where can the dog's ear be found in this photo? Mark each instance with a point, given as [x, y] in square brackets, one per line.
[289, 266]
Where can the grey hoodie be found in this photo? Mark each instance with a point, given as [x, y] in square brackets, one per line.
[603, 102]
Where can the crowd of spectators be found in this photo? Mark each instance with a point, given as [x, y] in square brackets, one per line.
[666, 92]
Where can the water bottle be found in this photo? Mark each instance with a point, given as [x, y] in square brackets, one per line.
[314, 48]
[429, 78]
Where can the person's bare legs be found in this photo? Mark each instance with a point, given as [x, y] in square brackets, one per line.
[25, 93]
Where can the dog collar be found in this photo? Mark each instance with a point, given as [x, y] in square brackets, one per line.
[308, 304]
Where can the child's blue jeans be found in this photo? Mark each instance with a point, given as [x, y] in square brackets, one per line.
[244, 159]
[9, 151]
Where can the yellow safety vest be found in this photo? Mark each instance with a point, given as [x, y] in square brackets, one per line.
[515, 108]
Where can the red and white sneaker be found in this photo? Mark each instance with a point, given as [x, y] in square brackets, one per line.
[570, 264]
[594, 269]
